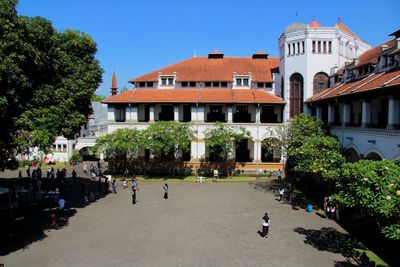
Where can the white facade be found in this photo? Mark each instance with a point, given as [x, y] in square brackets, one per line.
[310, 50]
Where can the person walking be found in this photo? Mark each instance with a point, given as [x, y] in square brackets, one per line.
[133, 195]
[114, 186]
[265, 222]
[279, 174]
[28, 172]
[281, 192]
[165, 188]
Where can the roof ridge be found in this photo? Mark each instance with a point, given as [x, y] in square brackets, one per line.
[367, 82]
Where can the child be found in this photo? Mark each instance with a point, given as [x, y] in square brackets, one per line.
[165, 188]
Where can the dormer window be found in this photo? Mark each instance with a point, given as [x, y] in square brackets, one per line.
[167, 81]
[242, 81]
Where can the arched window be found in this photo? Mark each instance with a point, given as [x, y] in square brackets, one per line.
[296, 95]
[373, 156]
[321, 82]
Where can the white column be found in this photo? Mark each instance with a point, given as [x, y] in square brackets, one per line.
[134, 113]
[319, 113]
[230, 114]
[394, 113]
[200, 114]
[257, 151]
[366, 113]
[152, 112]
[258, 114]
[110, 113]
[176, 113]
[331, 114]
[345, 114]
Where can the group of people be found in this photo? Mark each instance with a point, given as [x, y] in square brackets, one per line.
[288, 189]
[135, 188]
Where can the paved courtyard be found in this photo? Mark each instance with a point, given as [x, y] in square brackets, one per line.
[213, 224]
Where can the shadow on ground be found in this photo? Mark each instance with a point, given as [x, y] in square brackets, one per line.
[329, 239]
[297, 202]
[32, 220]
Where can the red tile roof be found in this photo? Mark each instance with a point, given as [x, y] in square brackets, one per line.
[372, 55]
[375, 81]
[215, 69]
[344, 28]
[194, 96]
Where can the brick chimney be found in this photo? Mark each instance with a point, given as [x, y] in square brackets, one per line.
[114, 85]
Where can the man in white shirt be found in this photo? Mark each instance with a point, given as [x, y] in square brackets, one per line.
[281, 192]
[265, 221]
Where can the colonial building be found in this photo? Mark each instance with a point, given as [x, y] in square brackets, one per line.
[204, 90]
[363, 104]
[316, 63]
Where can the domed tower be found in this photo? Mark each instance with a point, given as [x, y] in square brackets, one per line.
[309, 54]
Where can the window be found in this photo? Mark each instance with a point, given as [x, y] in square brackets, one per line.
[224, 84]
[54, 147]
[242, 81]
[288, 46]
[260, 85]
[64, 147]
[321, 82]
[303, 47]
[319, 46]
[324, 47]
[293, 48]
[59, 147]
[207, 84]
[298, 48]
[330, 47]
[119, 114]
[167, 81]
[188, 84]
[149, 84]
[268, 85]
[215, 84]
[313, 46]
[390, 61]
[142, 84]
[296, 95]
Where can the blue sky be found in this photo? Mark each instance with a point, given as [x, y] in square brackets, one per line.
[136, 37]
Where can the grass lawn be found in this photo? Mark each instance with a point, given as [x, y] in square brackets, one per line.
[58, 165]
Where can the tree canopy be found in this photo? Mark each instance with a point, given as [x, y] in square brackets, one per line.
[47, 80]
[222, 139]
[372, 186]
[168, 138]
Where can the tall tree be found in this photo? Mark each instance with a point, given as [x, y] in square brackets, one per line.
[222, 139]
[168, 138]
[47, 79]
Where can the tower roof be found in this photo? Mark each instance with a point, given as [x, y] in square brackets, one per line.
[314, 23]
[344, 28]
[114, 81]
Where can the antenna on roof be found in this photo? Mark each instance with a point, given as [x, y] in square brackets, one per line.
[194, 53]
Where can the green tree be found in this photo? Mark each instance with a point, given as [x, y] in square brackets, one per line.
[222, 139]
[318, 155]
[47, 80]
[167, 138]
[98, 98]
[121, 144]
[372, 187]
